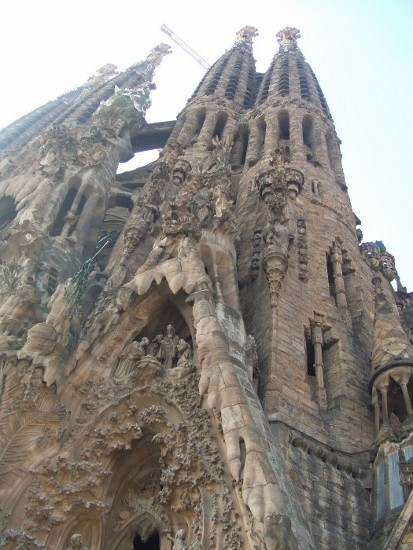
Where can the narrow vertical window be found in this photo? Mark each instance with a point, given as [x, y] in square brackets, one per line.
[330, 275]
[265, 87]
[310, 352]
[64, 209]
[212, 86]
[308, 137]
[262, 129]
[284, 81]
[79, 209]
[239, 149]
[284, 125]
[233, 81]
[199, 123]
[304, 89]
[7, 211]
[220, 125]
[329, 143]
[250, 88]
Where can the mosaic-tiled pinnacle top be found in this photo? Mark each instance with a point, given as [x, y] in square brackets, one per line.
[288, 37]
[246, 34]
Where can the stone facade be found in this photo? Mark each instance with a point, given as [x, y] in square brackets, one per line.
[200, 353]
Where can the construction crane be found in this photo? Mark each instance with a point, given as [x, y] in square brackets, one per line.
[185, 46]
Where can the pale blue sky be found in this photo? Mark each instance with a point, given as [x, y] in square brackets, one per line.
[360, 50]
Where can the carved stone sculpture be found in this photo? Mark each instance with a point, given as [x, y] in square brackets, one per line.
[168, 348]
[128, 358]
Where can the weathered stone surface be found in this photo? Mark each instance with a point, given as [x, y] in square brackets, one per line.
[188, 352]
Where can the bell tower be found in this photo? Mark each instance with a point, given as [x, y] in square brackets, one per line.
[202, 352]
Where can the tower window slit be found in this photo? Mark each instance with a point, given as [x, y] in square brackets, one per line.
[320, 94]
[239, 150]
[310, 352]
[220, 125]
[308, 136]
[284, 81]
[249, 89]
[266, 82]
[284, 126]
[64, 209]
[307, 131]
[79, 209]
[330, 275]
[262, 129]
[216, 77]
[199, 123]
[7, 211]
[304, 89]
[329, 143]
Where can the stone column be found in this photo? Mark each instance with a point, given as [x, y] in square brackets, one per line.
[376, 406]
[88, 219]
[337, 260]
[229, 130]
[317, 338]
[296, 137]
[207, 132]
[273, 134]
[188, 130]
[253, 143]
[71, 216]
[384, 409]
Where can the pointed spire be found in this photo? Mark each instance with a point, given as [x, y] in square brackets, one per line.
[390, 342]
[157, 53]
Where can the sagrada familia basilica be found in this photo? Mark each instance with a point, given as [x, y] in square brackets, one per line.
[201, 353]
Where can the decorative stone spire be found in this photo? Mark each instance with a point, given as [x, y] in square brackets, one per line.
[246, 34]
[390, 342]
[157, 53]
[392, 367]
[287, 38]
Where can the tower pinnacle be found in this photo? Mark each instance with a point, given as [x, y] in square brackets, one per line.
[287, 38]
[246, 34]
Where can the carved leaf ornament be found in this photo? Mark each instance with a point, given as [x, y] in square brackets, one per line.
[21, 427]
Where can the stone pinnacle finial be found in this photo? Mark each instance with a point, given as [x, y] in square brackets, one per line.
[246, 34]
[158, 53]
[288, 37]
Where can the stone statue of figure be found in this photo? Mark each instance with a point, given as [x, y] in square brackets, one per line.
[179, 541]
[154, 346]
[184, 354]
[251, 357]
[128, 358]
[76, 543]
[167, 350]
